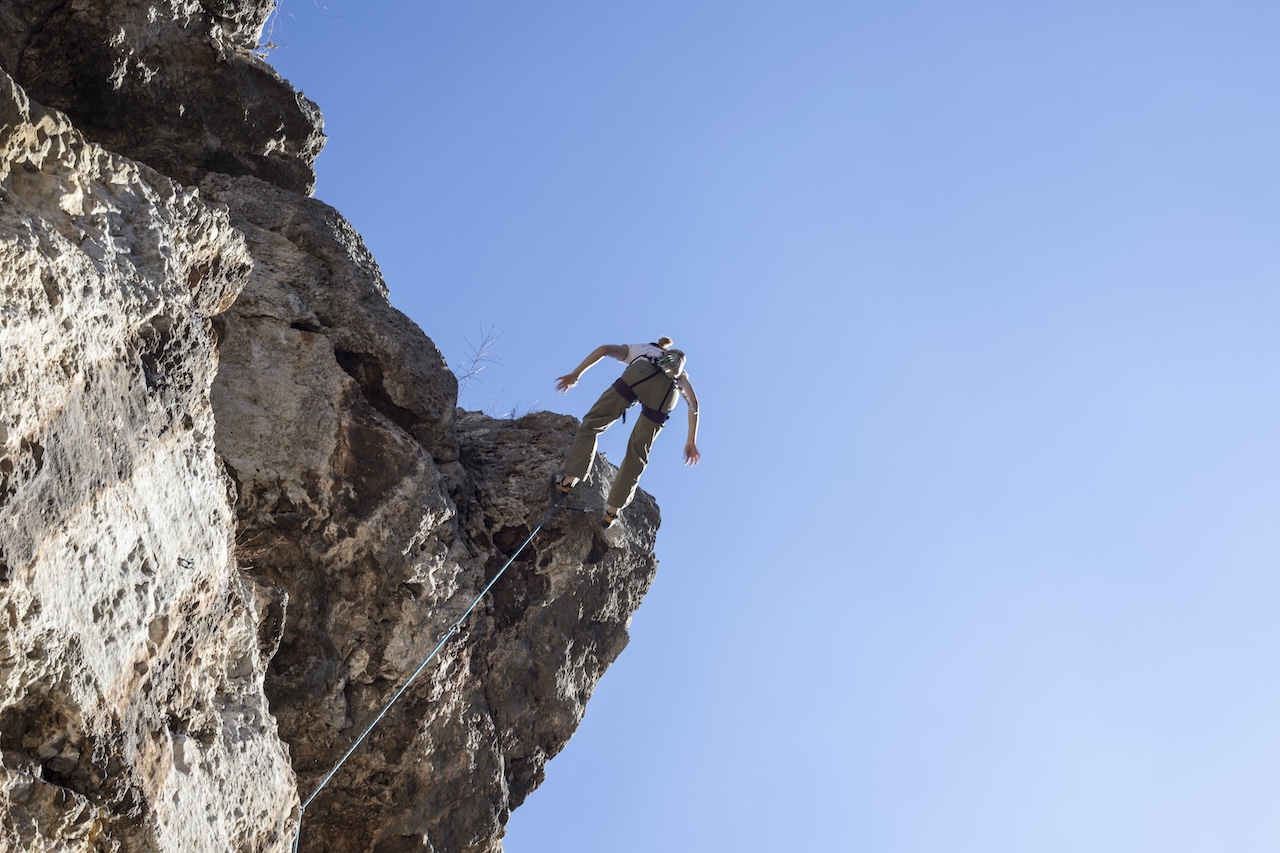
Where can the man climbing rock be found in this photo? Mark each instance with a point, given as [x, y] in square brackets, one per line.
[654, 374]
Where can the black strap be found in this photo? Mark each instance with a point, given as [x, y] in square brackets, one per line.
[654, 415]
[625, 390]
[628, 393]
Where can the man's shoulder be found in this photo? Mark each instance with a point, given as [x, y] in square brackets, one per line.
[634, 351]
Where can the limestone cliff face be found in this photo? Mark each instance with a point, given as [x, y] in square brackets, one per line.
[237, 503]
[132, 715]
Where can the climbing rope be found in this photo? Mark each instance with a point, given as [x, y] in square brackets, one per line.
[453, 629]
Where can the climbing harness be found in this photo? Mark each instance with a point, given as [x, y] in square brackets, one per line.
[627, 392]
[453, 629]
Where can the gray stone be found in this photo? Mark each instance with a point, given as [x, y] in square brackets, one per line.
[173, 84]
[238, 506]
[378, 517]
[131, 701]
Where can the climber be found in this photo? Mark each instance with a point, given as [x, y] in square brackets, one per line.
[654, 373]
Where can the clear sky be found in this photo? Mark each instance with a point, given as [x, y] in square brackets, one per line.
[981, 302]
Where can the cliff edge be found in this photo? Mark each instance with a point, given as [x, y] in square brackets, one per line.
[238, 505]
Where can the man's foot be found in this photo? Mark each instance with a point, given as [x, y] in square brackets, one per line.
[564, 483]
[610, 516]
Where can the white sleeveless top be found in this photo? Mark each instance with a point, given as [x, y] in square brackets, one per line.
[635, 351]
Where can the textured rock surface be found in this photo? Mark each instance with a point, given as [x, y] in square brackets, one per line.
[172, 83]
[131, 705]
[176, 551]
[373, 519]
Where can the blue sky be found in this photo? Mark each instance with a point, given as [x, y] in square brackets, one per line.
[980, 302]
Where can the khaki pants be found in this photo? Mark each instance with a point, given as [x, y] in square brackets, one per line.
[656, 393]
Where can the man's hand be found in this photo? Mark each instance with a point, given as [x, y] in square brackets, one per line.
[691, 454]
[564, 383]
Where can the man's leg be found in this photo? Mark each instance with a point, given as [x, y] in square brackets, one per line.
[633, 464]
[607, 409]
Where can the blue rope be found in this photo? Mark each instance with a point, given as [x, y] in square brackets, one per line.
[447, 634]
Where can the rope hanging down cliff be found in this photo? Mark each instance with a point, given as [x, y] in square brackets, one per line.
[453, 629]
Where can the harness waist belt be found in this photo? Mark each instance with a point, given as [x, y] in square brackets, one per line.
[628, 393]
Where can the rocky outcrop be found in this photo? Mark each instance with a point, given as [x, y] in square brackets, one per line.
[372, 518]
[173, 84]
[210, 586]
[132, 713]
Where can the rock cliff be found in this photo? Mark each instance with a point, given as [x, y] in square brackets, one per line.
[237, 503]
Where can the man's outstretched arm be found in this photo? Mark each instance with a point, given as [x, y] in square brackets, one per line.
[618, 351]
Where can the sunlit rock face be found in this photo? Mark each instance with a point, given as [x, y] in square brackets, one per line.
[238, 506]
[132, 714]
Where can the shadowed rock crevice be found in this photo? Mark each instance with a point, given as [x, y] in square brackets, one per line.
[39, 735]
[367, 373]
[40, 21]
[178, 88]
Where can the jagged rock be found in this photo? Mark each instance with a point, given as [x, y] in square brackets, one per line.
[132, 714]
[366, 513]
[173, 84]
[41, 817]
[378, 519]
